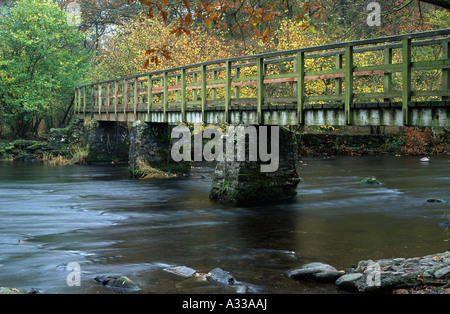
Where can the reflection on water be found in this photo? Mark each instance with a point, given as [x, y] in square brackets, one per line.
[110, 224]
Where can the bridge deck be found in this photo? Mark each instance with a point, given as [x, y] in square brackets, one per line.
[395, 80]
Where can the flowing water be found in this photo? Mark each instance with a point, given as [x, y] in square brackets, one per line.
[108, 223]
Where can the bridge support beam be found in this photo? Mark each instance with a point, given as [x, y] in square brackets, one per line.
[242, 182]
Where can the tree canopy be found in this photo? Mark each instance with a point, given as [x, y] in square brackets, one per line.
[41, 60]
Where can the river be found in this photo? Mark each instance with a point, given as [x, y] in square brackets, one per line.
[98, 217]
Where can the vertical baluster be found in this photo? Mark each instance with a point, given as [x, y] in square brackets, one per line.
[237, 73]
[338, 80]
[348, 83]
[92, 101]
[214, 91]
[406, 78]
[166, 95]
[204, 94]
[446, 72]
[387, 76]
[300, 64]
[100, 100]
[116, 98]
[227, 90]
[259, 88]
[183, 94]
[194, 91]
[108, 101]
[149, 96]
[125, 98]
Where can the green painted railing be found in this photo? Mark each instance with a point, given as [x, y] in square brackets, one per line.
[392, 68]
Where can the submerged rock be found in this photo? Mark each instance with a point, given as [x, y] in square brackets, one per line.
[435, 200]
[222, 276]
[117, 283]
[316, 272]
[370, 181]
[181, 271]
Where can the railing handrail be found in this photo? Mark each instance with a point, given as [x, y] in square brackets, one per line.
[362, 42]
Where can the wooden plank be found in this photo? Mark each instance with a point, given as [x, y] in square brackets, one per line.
[406, 78]
[125, 98]
[204, 94]
[149, 96]
[290, 78]
[348, 96]
[338, 80]
[99, 98]
[300, 67]
[183, 94]
[214, 92]
[166, 95]
[387, 78]
[260, 88]
[135, 98]
[108, 98]
[116, 99]
[194, 90]
[228, 77]
[445, 72]
[237, 72]
[430, 65]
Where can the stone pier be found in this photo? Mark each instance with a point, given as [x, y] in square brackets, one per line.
[243, 182]
[106, 141]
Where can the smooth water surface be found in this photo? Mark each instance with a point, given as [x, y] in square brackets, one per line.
[110, 224]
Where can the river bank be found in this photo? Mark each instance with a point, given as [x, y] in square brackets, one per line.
[66, 145]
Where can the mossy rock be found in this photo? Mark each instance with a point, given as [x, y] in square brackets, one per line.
[370, 181]
[34, 147]
[23, 143]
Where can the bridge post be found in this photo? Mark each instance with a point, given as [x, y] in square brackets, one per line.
[348, 83]
[406, 78]
[300, 69]
[446, 72]
[243, 182]
[387, 76]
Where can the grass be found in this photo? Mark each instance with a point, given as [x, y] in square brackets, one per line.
[51, 160]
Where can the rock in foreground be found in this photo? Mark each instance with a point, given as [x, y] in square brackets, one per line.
[315, 272]
[388, 274]
[117, 283]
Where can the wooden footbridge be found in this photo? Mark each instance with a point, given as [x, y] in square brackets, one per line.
[396, 80]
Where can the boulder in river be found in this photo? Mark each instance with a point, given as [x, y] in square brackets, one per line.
[117, 283]
[180, 271]
[222, 276]
[435, 200]
[316, 272]
[370, 181]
